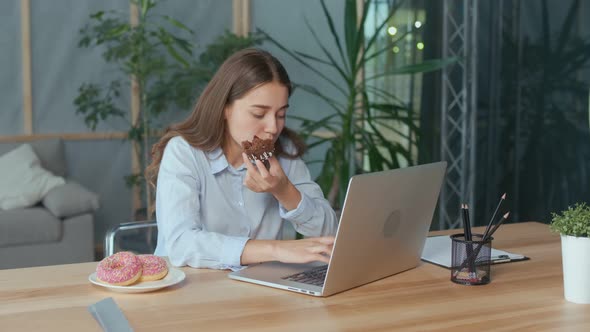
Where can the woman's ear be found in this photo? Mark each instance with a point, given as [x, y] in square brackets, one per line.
[226, 112]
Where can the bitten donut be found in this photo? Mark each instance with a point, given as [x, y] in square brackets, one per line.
[153, 267]
[120, 269]
[258, 149]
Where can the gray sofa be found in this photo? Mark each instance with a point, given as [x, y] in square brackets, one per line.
[58, 230]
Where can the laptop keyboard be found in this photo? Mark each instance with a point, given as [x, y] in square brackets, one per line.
[315, 276]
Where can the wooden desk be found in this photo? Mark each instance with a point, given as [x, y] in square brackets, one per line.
[524, 295]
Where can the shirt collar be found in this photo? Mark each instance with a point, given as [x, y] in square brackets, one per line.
[218, 161]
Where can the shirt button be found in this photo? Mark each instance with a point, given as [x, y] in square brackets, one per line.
[241, 203]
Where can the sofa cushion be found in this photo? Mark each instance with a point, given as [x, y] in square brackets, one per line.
[50, 153]
[52, 156]
[27, 226]
[24, 181]
[69, 200]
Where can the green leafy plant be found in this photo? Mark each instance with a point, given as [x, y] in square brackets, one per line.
[575, 221]
[357, 129]
[154, 57]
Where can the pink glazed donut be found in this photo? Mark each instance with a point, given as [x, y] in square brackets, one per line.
[154, 267]
[120, 269]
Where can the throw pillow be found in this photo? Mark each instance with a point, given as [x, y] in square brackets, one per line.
[23, 182]
[69, 200]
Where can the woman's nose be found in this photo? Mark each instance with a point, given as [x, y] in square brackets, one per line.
[271, 125]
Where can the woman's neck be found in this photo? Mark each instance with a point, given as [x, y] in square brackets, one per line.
[233, 153]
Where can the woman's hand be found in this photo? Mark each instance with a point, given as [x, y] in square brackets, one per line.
[272, 180]
[288, 251]
[305, 250]
[259, 179]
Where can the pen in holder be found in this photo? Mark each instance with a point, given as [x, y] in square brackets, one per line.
[470, 260]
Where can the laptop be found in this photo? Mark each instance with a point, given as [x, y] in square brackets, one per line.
[382, 230]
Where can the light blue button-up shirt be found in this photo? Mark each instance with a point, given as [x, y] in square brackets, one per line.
[206, 215]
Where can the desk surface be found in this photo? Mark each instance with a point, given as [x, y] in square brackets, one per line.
[524, 295]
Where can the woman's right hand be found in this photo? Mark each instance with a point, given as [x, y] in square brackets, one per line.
[288, 251]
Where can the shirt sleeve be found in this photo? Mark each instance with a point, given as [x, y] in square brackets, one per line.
[181, 236]
[313, 216]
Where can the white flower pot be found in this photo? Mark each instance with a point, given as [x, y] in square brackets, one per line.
[575, 253]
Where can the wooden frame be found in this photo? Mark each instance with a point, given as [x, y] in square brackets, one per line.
[241, 17]
[66, 137]
[25, 19]
[135, 109]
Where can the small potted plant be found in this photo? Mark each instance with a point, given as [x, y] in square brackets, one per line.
[574, 226]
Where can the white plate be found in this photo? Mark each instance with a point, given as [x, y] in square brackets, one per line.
[173, 277]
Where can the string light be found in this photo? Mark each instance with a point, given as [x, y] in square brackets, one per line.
[392, 31]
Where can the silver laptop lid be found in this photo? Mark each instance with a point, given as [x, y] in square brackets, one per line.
[384, 224]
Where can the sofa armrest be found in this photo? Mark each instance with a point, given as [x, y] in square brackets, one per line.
[70, 199]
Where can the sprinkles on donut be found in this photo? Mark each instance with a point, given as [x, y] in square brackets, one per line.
[120, 269]
[153, 267]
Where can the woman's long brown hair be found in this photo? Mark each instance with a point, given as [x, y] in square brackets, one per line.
[205, 127]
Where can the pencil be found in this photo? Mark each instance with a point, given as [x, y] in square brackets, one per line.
[468, 221]
[467, 236]
[466, 224]
[496, 226]
[471, 258]
[494, 215]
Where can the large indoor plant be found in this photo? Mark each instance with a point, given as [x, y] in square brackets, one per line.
[574, 226]
[355, 129]
[155, 58]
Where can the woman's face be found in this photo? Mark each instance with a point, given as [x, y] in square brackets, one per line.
[259, 112]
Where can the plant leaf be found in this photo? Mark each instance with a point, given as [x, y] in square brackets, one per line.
[177, 24]
[360, 33]
[424, 67]
[393, 10]
[311, 57]
[333, 32]
[350, 32]
[334, 64]
[305, 64]
[386, 48]
[336, 106]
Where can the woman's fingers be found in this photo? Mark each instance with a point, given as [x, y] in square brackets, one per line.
[325, 239]
[248, 163]
[275, 166]
[320, 250]
[305, 251]
[252, 179]
[261, 179]
[262, 169]
[255, 171]
[320, 253]
[324, 250]
[321, 258]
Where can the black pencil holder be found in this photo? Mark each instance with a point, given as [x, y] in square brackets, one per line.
[470, 260]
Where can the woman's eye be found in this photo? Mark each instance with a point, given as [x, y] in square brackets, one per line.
[281, 116]
[258, 116]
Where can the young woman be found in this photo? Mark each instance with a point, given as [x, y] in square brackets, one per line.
[216, 209]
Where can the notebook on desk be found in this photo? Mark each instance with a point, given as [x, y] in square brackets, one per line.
[437, 250]
[383, 226]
